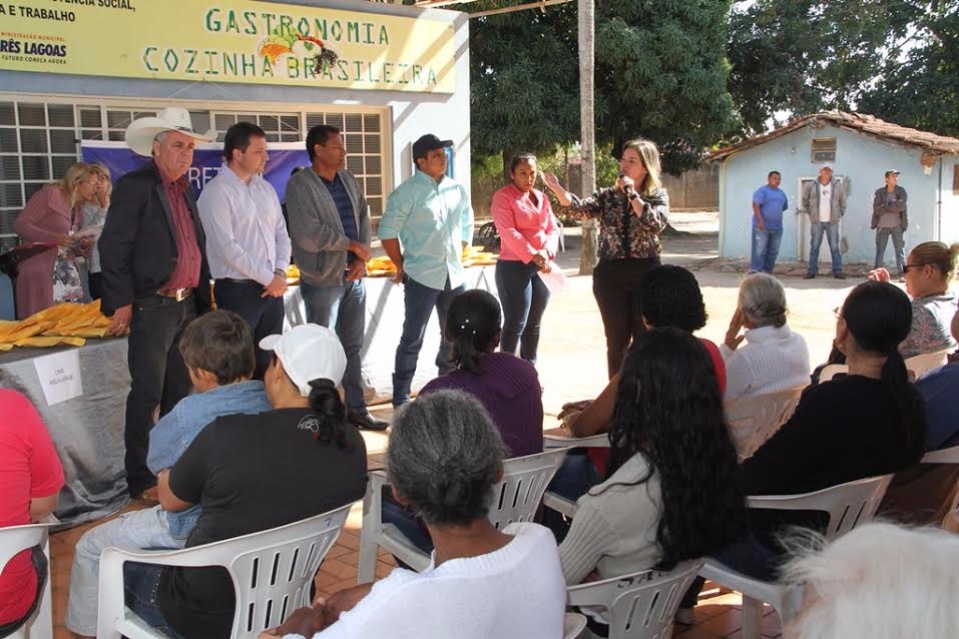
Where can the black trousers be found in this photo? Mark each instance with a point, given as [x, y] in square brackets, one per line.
[159, 377]
[616, 289]
[264, 314]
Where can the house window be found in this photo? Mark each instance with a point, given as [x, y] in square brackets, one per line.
[824, 150]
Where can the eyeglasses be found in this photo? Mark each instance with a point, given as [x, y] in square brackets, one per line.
[907, 267]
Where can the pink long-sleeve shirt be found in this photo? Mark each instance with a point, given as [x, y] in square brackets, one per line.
[525, 226]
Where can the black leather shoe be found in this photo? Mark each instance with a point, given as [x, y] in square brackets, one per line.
[839, 276]
[366, 421]
[809, 276]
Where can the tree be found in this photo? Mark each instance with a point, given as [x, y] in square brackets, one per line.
[896, 59]
[661, 74]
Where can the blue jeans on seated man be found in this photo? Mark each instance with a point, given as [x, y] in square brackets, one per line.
[765, 249]
[898, 246]
[140, 585]
[420, 301]
[524, 298]
[342, 308]
[816, 232]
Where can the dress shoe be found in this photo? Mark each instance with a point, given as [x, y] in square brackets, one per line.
[839, 276]
[809, 276]
[366, 421]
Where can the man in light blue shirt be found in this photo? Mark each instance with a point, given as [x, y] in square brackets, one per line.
[218, 351]
[427, 223]
[247, 243]
[769, 203]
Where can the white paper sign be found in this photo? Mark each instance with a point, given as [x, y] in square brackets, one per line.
[60, 376]
[555, 280]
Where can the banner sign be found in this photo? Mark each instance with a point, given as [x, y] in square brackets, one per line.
[228, 41]
[207, 160]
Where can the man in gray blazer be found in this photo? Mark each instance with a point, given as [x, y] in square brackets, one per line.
[330, 228]
[824, 201]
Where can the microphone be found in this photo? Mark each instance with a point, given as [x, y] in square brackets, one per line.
[627, 189]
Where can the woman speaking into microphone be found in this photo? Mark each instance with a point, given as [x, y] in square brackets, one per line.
[631, 215]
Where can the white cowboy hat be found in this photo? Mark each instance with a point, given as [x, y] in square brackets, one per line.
[141, 133]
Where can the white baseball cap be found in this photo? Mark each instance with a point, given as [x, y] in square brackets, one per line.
[308, 352]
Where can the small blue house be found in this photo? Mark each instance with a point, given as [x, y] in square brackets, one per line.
[861, 149]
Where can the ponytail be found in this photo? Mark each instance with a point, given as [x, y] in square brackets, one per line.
[908, 401]
[329, 414]
[473, 322]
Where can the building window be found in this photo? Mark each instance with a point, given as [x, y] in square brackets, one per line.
[823, 150]
[40, 138]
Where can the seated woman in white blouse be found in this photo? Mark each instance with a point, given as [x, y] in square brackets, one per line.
[773, 358]
[443, 459]
[672, 488]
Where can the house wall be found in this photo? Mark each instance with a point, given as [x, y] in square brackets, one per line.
[860, 159]
[949, 196]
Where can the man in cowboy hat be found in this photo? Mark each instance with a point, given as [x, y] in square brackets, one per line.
[155, 274]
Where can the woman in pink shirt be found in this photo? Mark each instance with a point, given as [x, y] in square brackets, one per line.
[529, 236]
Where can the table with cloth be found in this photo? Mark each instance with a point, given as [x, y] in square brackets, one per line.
[87, 430]
[385, 311]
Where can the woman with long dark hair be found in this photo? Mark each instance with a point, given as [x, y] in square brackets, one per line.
[672, 489]
[631, 216]
[529, 237]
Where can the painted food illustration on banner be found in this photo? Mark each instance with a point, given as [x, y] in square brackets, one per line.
[230, 41]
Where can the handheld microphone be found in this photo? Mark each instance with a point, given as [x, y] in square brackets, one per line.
[628, 189]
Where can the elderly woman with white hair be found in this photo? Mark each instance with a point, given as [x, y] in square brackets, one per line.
[773, 358]
[878, 581]
[443, 459]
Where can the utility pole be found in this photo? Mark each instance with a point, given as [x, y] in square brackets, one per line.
[587, 31]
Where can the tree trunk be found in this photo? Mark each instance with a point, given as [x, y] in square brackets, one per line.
[587, 29]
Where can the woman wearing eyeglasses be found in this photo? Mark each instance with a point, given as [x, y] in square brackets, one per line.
[54, 215]
[928, 272]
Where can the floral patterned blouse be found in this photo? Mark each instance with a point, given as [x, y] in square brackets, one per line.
[623, 234]
[931, 321]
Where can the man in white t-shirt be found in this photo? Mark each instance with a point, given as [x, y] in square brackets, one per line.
[825, 202]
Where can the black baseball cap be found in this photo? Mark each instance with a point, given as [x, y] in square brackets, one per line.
[427, 143]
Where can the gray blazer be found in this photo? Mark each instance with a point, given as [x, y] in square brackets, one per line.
[319, 243]
[810, 201]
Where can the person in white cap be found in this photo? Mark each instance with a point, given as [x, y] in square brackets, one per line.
[155, 274]
[825, 202]
[254, 473]
[890, 217]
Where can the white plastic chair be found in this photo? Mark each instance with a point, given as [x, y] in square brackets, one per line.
[945, 456]
[753, 420]
[847, 505]
[640, 605]
[919, 365]
[271, 571]
[515, 499]
[573, 625]
[831, 371]
[14, 540]
[551, 441]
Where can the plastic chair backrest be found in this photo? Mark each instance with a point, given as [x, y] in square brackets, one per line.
[753, 420]
[518, 496]
[831, 371]
[13, 541]
[641, 605]
[919, 365]
[847, 505]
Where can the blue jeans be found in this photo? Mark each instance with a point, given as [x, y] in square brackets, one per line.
[765, 249]
[342, 308]
[264, 314]
[420, 301]
[140, 585]
[138, 530]
[816, 231]
[882, 239]
[524, 298]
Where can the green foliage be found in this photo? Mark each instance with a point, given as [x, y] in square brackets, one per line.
[896, 59]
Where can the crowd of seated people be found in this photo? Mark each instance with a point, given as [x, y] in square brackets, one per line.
[670, 489]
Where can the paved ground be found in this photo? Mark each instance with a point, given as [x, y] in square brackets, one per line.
[572, 366]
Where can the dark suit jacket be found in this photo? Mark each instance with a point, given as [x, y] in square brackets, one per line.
[138, 246]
